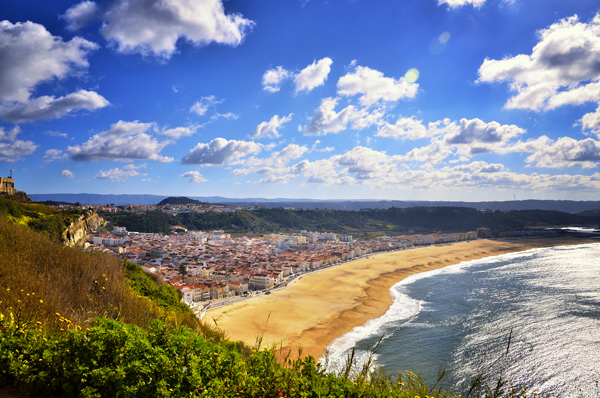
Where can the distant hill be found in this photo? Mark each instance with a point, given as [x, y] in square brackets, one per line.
[359, 223]
[567, 206]
[179, 200]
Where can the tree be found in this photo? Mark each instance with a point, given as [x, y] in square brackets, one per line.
[182, 270]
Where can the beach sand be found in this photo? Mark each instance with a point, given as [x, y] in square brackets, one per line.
[324, 305]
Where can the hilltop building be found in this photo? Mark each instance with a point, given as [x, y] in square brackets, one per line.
[7, 189]
[7, 186]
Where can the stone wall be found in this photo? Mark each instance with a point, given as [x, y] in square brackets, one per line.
[78, 231]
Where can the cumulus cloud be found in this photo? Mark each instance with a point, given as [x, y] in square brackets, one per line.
[220, 151]
[269, 128]
[67, 173]
[49, 107]
[564, 152]
[327, 120]
[272, 78]
[201, 107]
[31, 55]
[179, 132]
[153, 27]
[475, 136]
[591, 121]
[134, 167]
[13, 149]
[466, 138]
[116, 174]
[562, 68]
[314, 75]
[412, 129]
[123, 141]
[54, 154]
[80, 14]
[375, 87]
[194, 177]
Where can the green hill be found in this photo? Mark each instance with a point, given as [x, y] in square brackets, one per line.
[390, 221]
[179, 200]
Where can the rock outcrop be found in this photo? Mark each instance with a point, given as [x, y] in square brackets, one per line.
[77, 233]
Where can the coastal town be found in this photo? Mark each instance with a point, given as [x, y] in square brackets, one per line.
[208, 266]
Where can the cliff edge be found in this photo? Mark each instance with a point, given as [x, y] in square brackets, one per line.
[76, 234]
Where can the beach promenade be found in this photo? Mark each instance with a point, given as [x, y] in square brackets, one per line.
[325, 305]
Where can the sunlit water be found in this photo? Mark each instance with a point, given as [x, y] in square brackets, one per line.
[459, 318]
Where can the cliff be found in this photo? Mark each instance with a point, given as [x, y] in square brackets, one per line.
[77, 233]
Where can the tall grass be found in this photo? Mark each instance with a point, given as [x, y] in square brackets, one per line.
[40, 278]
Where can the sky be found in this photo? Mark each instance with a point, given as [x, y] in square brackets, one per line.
[467, 100]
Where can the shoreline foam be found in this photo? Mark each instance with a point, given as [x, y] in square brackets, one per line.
[323, 306]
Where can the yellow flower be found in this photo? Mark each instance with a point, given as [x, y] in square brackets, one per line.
[41, 301]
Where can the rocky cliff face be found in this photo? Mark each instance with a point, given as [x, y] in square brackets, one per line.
[79, 229]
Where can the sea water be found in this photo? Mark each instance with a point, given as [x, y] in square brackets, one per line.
[459, 319]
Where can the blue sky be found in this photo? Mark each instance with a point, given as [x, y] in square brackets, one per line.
[340, 99]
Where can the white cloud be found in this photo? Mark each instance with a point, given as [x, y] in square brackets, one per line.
[54, 154]
[179, 132]
[327, 120]
[562, 68]
[201, 107]
[269, 128]
[48, 107]
[434, 153]
[154, 26]
[273, 77]
[374, 87]
[564, 152]
[31, 55]
[220, 151]
[591, 120]
[194, 176]
[12, 149]
[67, 173]
[460, 3]
[412, 129]
[466, 138]
[315, 147]
[116, 174]
[314, 75]
[56, 134]
[228, 115]
[80, 14]
[123, 141]
[134, 167]
[475, 137]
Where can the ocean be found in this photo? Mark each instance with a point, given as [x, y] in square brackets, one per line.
[459, 319]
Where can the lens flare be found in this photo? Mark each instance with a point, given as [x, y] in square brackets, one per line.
[444, 37]
[412, 75]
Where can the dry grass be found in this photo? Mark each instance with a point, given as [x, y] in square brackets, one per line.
[40, 278]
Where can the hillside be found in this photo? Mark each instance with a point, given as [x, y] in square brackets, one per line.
[364, 222]
[179, 200]
[78, 324]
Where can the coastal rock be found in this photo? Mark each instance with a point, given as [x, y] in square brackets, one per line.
[78, 231]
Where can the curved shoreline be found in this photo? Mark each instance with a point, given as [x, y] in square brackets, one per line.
[322, 306]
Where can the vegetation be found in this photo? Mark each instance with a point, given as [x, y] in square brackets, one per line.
[365, 222]
[77, 324]
[179, 200]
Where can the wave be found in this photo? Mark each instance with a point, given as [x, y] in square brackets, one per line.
[405, 308]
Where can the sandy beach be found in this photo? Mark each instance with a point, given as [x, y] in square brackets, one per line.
[325, 305]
